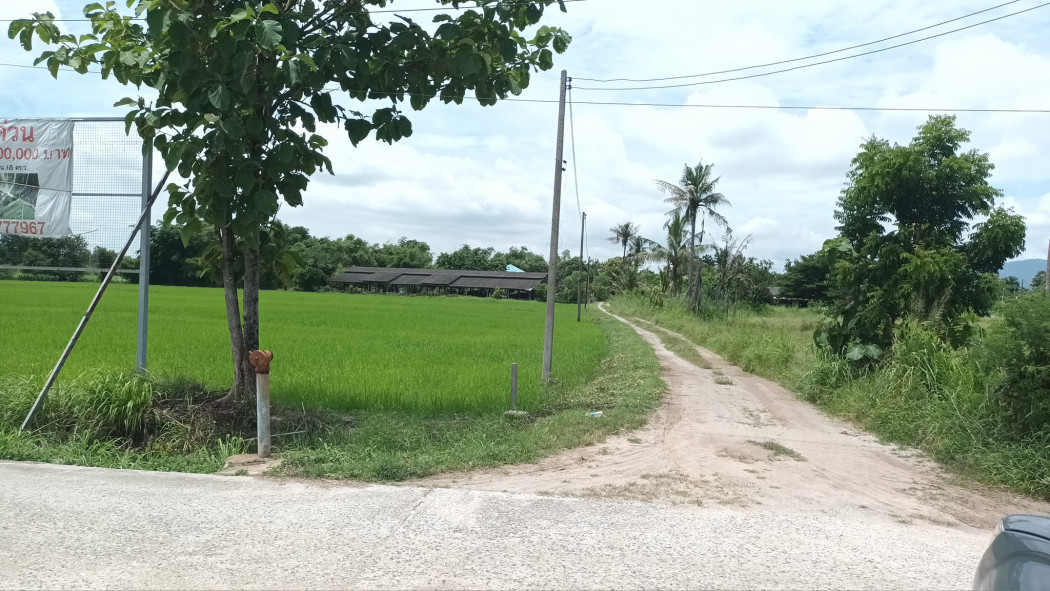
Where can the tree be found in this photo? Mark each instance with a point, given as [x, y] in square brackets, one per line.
[405, 254]
[809, 277]
[908, 213]
[467, 258]
[622, 235]
[694, 196]
[1011, 285]
[1039, 282]
[524, 259]
[674, 254]
[241, 86]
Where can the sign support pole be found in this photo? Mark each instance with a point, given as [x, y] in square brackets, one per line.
[144, 236]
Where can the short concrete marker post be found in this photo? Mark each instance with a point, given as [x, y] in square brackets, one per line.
[514, 412]
[260, 360]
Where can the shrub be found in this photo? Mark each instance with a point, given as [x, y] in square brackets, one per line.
[1019, 345]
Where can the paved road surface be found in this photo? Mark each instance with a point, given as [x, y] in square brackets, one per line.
[88, 527]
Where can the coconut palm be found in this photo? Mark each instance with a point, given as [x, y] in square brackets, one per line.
[694, 197]
[622, 235]
[675, 253]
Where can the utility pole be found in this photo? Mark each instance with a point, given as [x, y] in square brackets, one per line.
[579, 282]
[587, 288]
[552, 270]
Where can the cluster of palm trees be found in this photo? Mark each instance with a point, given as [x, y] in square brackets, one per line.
[694, 199]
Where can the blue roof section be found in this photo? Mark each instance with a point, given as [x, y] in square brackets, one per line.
[513, 269]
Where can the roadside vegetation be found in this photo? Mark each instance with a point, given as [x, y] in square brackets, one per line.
[952, 403]
[365, 387]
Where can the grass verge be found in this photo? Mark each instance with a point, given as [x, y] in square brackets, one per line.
[924, 395]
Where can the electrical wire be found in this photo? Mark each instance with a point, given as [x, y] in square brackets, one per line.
[378, 11]
[814, 64]
[799, 59]
[712, 106]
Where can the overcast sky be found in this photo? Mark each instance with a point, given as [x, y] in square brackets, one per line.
[484, 176]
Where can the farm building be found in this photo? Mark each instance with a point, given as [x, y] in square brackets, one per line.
[439, 281]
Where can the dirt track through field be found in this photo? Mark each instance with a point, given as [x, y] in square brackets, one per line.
[752, 446]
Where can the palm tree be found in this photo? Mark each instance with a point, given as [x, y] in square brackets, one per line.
[622, 234]
[675, 253]
[694, 196]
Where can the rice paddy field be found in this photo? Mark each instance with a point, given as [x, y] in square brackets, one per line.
[332, 351]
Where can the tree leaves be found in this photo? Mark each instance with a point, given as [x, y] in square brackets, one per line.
[268, 33]
[219, 97]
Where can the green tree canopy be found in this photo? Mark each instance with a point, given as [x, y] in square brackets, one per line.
[911, 216]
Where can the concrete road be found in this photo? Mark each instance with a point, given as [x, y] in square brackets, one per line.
[69, 527]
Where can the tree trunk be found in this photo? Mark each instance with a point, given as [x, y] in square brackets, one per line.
[241, 368]
[251, 312]
[1047, 280]
[692, 260]
[700, 268]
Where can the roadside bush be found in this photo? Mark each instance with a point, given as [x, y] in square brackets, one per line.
[1019, 346]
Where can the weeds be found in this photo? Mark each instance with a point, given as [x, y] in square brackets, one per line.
[778, 449]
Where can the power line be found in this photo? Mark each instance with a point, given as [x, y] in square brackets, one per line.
[705, 106]
[798, 59]
[792, 107]
[389, 10]
[838, 59]
[572, 139]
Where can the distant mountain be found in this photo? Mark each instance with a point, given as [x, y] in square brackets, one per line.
[1023, 270]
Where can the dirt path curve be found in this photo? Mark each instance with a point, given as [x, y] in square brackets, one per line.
[752, 446]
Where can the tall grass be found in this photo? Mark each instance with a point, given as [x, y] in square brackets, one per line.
[332, 351]
[924, 394]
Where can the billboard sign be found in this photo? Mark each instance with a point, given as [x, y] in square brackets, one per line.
[36, 176]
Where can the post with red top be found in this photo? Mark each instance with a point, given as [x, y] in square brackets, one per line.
[260, 360]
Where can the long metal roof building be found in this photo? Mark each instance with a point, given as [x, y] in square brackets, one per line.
[439, 278]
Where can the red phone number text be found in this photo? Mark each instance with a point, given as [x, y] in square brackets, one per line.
[21, 227]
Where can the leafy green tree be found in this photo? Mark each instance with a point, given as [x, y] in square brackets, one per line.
[622, 235]
[405, 253]
[102, 258]
[174, 261]
[674, 254]
[467, 258]
[908, 213]
[809, 278]
[238, 88]
[524, 259]
[694, 197]
[1011, 285]
[1039, 282]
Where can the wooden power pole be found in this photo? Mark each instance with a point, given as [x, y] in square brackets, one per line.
[552, 271]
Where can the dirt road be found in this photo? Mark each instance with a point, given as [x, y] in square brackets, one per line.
[749, 444]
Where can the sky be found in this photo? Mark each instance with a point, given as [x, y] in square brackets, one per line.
[484, 175]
